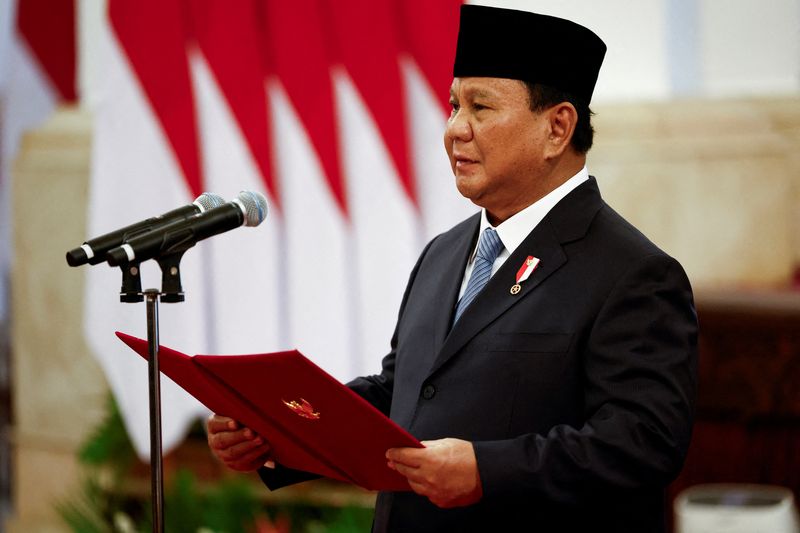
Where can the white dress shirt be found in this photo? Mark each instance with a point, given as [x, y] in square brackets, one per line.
[516, 228]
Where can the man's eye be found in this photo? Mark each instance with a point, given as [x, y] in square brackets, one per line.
[454, 106]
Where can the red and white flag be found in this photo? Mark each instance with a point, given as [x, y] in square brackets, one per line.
[146, 161]
[335, 111]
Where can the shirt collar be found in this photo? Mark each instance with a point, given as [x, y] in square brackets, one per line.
[516, 228]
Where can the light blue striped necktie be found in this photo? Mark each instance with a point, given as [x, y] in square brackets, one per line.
[489, 247]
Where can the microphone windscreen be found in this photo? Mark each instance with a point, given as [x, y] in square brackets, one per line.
[209, 200]
[255, 206]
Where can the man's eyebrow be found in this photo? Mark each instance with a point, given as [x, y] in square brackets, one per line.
[480, 93]
[473, 93]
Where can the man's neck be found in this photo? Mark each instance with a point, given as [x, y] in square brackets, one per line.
[566, 167]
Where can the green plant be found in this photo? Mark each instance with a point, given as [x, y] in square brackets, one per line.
[227, 507]
[82, 513]
[101, 505]
[109, 445]
[342, 520]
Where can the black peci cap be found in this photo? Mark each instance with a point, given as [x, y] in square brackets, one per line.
[506, 43]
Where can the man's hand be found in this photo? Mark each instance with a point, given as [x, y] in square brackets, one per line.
[445, 471]
[235, 445]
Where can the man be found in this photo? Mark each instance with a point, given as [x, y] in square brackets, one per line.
[545, 349]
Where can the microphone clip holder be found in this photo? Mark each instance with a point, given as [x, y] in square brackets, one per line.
[171, 286]
[131, 290]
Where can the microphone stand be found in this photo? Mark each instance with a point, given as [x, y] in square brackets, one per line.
[171, 292]
[156, 459]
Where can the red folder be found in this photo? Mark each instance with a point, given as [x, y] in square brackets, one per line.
[313, 422]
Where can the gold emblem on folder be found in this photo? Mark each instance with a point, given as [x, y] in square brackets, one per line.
[302, 408]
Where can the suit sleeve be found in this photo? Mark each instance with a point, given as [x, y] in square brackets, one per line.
[376, 389]
[640, 381]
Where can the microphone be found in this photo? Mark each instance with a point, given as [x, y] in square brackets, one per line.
[248, 209]
[94, 250]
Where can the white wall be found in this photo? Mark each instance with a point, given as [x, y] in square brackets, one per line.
[661, 49]
[750, 47]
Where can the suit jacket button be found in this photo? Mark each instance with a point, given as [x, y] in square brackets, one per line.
[428, 392]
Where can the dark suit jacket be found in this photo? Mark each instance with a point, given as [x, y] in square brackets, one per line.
[577, 393]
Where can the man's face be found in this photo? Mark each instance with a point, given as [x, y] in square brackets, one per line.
[496, 144]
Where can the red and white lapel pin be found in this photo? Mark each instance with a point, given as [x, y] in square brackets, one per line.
[525, 272]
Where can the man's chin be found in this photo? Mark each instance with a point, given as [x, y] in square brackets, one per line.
[468, 181]
[464, 189]
[471, 194]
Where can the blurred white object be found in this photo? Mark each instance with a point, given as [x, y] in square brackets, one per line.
[736, 508]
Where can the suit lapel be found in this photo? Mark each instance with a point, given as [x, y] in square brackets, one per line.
[496, 298]
[567, 221]
[453, 275]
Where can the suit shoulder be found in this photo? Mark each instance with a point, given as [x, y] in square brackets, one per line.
[621, 238]
[466, 225]
[464, 228]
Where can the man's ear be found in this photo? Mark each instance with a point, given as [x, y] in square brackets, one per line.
[562, 119]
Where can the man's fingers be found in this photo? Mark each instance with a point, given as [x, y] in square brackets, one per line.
[251, 461]
[257, 456]
[235, 445]
[217, 423]
[406, 456]
[252, 458]
[227, 439]
[239, 451]
[413, 474]
[224, 440]
[419, 488]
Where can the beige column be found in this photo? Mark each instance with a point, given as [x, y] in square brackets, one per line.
[714, 183]
[59, 391]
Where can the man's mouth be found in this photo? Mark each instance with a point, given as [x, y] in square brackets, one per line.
[462, 161]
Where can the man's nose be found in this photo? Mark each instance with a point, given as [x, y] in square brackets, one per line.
[459, 127]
